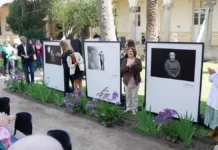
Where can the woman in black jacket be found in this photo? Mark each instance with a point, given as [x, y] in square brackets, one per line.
[67, 51]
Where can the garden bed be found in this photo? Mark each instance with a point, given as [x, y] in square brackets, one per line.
[110, 115]
[199, 143]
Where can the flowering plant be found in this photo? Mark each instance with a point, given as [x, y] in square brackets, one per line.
[165, 120]
[91, 107]
[74, 102]
[16, 82]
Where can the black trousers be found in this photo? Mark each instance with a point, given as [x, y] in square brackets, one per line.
[102, 65]
[67, 78]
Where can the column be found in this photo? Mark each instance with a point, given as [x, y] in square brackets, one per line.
[133, 25]
[167, 5]
[209, 30]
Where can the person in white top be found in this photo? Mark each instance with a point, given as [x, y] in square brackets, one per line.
[211, 115]
[15, 57]
[76, 64]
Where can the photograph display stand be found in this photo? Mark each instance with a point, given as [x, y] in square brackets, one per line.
[102, 61]
[173, 77]
[53, 68]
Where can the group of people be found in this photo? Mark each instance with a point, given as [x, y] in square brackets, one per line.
[29, 54]
[9, 54]
[33, 142]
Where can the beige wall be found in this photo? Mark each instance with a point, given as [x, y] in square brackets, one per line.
[181, 19]
[4, 10]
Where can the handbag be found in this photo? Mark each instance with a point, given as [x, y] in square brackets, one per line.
[34, 57]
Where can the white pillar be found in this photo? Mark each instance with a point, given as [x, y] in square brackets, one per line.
[133, 25]
[166, 18]
[209, 30]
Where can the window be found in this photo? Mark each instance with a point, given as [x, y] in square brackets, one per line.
[196, 16]
[139, 20]
[199, 16]
[202, 16]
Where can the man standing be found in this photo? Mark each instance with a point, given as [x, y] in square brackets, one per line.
[102, 60]
[26, 52]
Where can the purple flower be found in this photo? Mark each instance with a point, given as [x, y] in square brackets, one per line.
[82, 95]
[67, 94]
[117, 103]
[94, 112]
[73, 96]
[69, 105]
[76, 91]
[89, 105]
[94, 100]
[66, 100]
[114, 95]
[165, 117]
[76, 100]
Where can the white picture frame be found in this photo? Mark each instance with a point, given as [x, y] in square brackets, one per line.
[180, 90]
[102, 63]
[53, 67]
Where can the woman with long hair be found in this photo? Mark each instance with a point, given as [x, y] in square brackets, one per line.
[39, 54]
[76, 64]
[67, 51]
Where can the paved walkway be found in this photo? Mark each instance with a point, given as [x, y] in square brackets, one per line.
[86, 134]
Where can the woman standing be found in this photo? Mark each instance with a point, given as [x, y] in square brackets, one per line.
[131, 68]
[15, 57]
[123, 53]
[76, 64]
[67, 51]
[39, 54]
[211, 115]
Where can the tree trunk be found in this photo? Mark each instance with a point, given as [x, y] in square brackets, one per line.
[151, 26]
[106, 20]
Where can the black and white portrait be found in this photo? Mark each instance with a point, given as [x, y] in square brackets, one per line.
[96, 58]
[173, 64]
[50, 51]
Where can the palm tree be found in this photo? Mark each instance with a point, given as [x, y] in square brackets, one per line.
[151, 26]
[106, 20]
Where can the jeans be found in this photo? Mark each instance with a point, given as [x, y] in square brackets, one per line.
[9, 68]
[28, 66]
[39, 60]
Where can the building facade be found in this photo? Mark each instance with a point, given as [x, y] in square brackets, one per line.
[185, 19]
[4, 9]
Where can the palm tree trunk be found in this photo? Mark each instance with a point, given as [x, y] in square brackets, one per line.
[106, 20]
[151, 26]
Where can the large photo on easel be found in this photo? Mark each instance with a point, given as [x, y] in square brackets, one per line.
[102, 60]
[173, 77]
[53, 69]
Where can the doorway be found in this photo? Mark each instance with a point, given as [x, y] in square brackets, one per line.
[199, 16]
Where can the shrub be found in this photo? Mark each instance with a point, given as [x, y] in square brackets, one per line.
[164, 120]
[107, 114]
[184, 128]
[145, 121]
[16, 83]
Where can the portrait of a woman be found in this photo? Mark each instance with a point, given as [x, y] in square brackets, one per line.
[172, 66]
